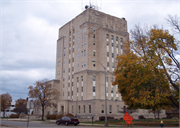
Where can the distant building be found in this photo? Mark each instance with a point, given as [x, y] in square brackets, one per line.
[92, 35]
[10, 110]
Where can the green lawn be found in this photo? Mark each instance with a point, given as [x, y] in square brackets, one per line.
[147, 122]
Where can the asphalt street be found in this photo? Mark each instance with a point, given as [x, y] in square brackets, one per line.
[40, 124]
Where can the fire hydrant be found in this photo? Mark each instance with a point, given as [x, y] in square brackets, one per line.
[161, 124]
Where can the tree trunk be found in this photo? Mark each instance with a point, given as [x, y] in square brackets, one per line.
[4, 113]
[42, 113]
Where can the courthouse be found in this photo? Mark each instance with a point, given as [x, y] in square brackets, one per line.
[92, 35]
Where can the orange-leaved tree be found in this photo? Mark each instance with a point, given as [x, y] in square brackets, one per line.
[20, 106]
[6, 100]
[43, 94]
[146, 74]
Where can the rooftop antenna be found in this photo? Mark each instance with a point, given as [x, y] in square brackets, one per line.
[91, 5]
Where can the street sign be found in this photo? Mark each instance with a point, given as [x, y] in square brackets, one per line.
[127, 118]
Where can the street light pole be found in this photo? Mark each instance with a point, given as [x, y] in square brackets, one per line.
[106, 123]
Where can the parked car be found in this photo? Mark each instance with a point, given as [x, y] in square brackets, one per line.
[67, 120]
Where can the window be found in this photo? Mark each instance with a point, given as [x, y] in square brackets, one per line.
[82, 44]
[112, 44]
[111, 79]
[116, 38]
[112, 37]
[81, 89]
[81, 97]
[78, 55]
[106, 79]
[82, 64]
[94, 78]
[107, 64]
[94, 36]
[81, 78]
[102, 109]
[63, 70]
[112, 55]
[94, 53]
[84, 108]
[77, 79]
[72, 109]
[79, 109]
[94, 29]
[84, 52]
[78, 65]
[117, 108]
[107, 43]
[64, 53]
[112, 90]
[68, 93]
[110, 108]
[116, 45]
[121, 39]
[107, 54]
[94, 89]
[94, 43]
[107, 36]
[77, 89]
[89, 108]
[72, 93]
[112, 65]
[94, 65]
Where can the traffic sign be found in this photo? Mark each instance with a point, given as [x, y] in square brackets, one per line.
[127, 118]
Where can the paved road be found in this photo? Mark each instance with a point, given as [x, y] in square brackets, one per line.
[38, 124]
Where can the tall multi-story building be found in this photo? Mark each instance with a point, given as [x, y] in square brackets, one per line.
[92, 35]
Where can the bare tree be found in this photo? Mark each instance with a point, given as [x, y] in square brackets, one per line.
[43, 94]
[174, 23]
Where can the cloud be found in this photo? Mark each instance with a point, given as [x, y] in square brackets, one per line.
[29, 32]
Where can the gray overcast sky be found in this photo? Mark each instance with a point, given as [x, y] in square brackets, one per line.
[29, 31]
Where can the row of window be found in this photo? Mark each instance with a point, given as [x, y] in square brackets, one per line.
[112, 38]
[90, 109]
[84, 109]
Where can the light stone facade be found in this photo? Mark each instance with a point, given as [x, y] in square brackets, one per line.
[92, 35]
